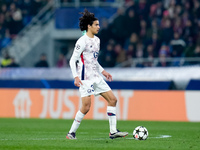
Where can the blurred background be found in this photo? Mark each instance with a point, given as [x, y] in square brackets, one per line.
[134, 33]
[145, 44]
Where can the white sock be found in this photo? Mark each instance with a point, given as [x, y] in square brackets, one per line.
[78, 118]
[111, 111]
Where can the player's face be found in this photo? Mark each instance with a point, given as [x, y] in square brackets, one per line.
[95, 27]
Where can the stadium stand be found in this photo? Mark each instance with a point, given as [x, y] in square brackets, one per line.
[143, 33]
[153, 33]
[134, 33]
[14, 15]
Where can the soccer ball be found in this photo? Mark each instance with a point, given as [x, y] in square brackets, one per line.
[140, 133]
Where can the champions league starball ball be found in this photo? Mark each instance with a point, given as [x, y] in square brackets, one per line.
[140, 133]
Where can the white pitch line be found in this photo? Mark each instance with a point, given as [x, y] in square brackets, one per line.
[162, 136]
[83, 133]
[101, 139]
[157, 137]
[35, 139]
[43, 139]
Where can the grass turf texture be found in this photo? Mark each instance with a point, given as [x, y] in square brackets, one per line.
[49, 134]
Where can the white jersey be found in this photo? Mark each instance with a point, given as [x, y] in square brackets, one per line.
[86, 54]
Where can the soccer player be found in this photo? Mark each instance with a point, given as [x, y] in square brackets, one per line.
[85, 69]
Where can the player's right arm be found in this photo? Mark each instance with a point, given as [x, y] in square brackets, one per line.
[79, 47]
[77, 82]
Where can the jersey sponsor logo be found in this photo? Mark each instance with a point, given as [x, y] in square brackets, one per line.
[96, 54]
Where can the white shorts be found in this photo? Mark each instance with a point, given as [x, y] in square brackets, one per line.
[93, 87]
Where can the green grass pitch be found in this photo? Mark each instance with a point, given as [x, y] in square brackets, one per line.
[50, 134]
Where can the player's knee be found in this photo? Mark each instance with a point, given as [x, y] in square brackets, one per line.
[86, 108]
[113, 101]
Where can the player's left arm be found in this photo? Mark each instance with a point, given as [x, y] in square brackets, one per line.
[105, 73]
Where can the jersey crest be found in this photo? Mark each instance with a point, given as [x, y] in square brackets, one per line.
[96, 54]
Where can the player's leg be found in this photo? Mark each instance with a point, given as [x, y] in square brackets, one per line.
[111, 111]
[86, 103]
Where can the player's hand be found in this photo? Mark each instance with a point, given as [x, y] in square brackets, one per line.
[77, 82]
[107, 75]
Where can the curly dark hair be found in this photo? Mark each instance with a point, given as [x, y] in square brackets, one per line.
[87, 19]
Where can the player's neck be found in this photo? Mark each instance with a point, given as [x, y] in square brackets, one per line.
[89, 34]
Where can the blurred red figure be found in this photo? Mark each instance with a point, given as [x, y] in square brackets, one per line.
[62, 62]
